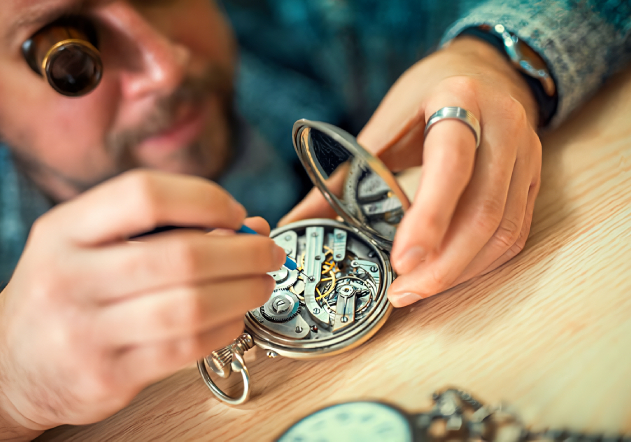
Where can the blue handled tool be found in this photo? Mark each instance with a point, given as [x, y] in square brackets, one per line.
[289, 263]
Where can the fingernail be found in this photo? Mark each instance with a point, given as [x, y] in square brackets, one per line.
[404, 299]
[411, 258]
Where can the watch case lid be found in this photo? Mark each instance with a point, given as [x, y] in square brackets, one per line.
[359, 187]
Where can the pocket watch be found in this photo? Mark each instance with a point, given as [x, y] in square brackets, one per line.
[336, 299]
[456, 416]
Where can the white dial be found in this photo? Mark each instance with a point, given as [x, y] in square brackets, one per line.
[353, 421]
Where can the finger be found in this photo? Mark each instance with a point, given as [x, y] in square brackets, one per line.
[511, 236]
[259, 224]
[181, 311]
[510, 227]
[185, 257]
[139, 201]
[141, 365]
[256, 223]
[398, 114]
[449, 155]
[520, 243]
[315, 205]
[477, 216]
[406, 150]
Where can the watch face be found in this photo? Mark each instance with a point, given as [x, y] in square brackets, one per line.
[352, 421]
[334, 300]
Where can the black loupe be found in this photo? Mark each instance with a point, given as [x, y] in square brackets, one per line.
[65, 52]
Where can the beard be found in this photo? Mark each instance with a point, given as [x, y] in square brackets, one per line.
[206, 157]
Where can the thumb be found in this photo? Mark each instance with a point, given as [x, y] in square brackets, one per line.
[314, 205]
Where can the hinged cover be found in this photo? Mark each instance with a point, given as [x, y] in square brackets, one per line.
[356, 184]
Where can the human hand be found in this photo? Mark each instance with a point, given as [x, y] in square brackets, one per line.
[472, 211]
[89, 319]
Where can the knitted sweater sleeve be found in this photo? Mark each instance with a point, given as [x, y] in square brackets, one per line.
[583, 42]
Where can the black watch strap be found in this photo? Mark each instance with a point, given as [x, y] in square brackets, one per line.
[547, 104]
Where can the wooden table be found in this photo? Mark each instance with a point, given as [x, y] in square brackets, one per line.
[550, 332]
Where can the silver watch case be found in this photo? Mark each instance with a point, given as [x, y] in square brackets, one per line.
[309, 316]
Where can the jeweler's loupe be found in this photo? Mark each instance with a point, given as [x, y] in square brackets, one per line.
[65, 53]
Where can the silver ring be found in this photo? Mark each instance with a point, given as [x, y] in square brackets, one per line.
[456, 113]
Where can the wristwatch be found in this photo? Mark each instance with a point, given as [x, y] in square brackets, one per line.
[527, 62]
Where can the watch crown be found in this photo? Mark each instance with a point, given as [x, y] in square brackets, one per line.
[220, 361]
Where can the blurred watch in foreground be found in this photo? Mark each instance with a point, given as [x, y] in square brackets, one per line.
[456, 416]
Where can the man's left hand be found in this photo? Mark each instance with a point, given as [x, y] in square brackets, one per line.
[473, 208]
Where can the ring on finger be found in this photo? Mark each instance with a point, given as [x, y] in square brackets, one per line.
[456, 113]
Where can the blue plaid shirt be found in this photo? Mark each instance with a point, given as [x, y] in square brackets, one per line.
[334, 60]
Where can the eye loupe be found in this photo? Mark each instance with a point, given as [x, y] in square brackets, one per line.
[65, 53]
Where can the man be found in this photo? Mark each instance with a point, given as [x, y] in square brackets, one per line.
[88, 318]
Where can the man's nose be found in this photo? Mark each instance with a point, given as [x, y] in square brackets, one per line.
[149, 61]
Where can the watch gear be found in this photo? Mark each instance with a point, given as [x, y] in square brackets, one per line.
[281, 307]
[284, 277]
[333, 289]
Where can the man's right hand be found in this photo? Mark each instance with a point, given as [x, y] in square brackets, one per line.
[90, 318]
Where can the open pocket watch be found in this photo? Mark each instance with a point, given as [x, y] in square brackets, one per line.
[336, 299]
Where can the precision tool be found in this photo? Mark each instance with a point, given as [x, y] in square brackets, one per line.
[289, 263]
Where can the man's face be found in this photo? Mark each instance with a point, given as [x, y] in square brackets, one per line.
[163, 102]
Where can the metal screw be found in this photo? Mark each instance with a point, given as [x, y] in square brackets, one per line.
[314, 234]
[344, 319]
[373, 269]
[317, 258]
[271, 354]
[338, 256]
[316, 310]
[339, 236]
[298, 329]
[448, 408]
[371, 254]
[288, 238]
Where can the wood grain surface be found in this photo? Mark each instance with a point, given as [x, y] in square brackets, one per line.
[549, 332]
